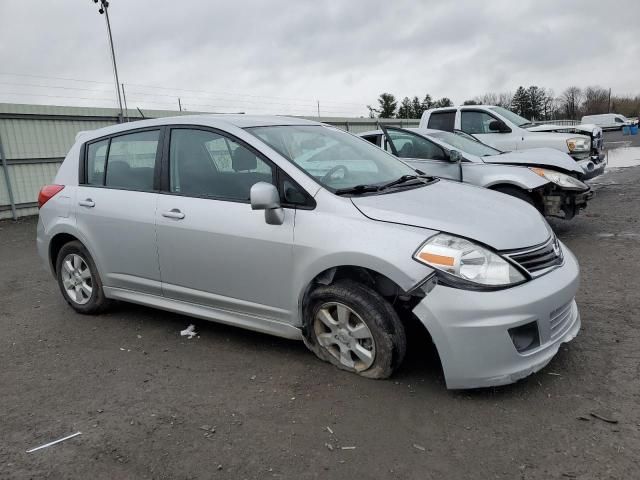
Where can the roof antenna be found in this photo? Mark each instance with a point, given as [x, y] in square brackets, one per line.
[141, 114]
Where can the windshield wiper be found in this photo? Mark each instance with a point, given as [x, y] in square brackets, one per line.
[376, 188]
[357, 189]
[398, 181]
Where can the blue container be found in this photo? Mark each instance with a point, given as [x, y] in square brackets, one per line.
[634, 129]
[626, 130]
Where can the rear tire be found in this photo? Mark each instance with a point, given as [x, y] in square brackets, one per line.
[354, 328]
[79, 280]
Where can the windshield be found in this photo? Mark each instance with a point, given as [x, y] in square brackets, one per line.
[512, 117]
[464, 144]
[335, 159]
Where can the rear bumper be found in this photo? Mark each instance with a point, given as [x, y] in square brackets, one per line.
[471, 329]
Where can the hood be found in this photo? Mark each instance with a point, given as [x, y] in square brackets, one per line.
[540, 157]
[587, 129]
[489, 217]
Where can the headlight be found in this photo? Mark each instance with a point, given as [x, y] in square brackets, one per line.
[560, 179]
[472, 264]
[578, 144]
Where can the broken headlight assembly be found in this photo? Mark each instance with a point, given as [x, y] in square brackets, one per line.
[462, 263]
[562, 180]
[578, 144]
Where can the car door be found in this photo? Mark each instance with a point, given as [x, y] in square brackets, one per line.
[479, 123]
[214, 250]
[116, 203]
[420, 153]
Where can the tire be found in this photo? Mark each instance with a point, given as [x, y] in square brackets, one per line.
[79, 280]
[360, 321]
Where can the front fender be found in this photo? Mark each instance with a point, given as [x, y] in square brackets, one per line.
[488, 175]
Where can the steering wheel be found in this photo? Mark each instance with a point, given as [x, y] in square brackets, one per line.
[335, 169]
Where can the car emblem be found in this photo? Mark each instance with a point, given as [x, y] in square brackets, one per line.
[556, 248]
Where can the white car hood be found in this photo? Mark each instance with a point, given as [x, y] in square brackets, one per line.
[479, 214]
[543, 157]
[586, 128]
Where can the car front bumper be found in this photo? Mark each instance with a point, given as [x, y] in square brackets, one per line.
[470, 328]
[593, 166]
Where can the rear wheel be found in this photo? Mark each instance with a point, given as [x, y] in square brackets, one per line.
[351, 326]
[78, 279]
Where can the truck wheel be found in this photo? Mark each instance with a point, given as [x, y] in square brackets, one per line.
[78, 279]
[351, 326]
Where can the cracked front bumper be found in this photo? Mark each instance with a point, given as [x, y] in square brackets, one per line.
[471, 328]
[593, 166]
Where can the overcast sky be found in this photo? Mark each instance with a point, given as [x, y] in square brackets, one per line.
[281, 56]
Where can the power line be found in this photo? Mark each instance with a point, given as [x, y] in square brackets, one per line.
[158, 87]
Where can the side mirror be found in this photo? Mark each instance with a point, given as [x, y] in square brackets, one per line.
[264, 196]
[455, 156]
[498, 126]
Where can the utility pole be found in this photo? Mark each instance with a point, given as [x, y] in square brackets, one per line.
[104, 10]
[609, 102]
[179, 104]
[318, 108]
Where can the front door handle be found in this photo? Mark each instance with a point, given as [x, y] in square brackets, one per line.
[173, 213]
[87, 203]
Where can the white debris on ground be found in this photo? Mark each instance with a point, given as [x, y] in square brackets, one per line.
[190, 331]
[623, 157]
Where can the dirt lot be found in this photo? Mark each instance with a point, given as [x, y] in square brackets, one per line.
[141, 394]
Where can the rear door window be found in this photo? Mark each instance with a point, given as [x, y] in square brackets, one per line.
[442, 120]
[131, 161]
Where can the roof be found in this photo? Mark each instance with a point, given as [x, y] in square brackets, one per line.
[210, 120]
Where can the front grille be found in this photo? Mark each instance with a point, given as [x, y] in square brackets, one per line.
[540, 259]
[559, 319]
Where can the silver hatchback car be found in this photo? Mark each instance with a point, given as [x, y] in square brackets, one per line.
[297, 229]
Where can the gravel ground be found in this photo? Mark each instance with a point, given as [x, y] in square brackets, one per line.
[236, 404]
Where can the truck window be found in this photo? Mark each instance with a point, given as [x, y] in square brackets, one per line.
[442, 120]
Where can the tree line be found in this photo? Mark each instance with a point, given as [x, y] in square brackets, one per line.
[533, 103]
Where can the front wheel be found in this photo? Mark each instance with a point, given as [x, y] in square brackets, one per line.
[78, 279]
[351, 326]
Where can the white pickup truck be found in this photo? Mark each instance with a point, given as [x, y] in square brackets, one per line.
[505, 130]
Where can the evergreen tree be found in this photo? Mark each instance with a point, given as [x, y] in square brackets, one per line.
[443, 102]
[520, 102]
[406, 109]
[388, 105]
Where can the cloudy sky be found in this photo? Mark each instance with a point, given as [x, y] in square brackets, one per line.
[281, 56]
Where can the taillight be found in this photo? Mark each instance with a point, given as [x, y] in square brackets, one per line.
[47, 193]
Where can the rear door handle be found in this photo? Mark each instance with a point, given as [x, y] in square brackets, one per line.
[173, 213]
[87, 203]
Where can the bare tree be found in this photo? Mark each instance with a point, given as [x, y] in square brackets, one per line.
[596, 100]
[504, 99]
[571, 101]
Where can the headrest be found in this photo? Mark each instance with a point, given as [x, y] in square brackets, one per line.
[243, 160]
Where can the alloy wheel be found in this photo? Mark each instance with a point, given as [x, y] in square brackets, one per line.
[344, 334]
[76, 279]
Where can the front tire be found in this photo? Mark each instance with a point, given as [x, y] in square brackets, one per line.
[79, 280]
[354, 328]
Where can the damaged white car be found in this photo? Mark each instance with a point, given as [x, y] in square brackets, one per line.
[542, 177]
